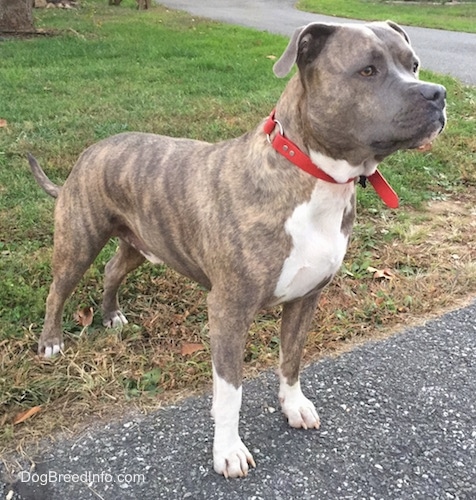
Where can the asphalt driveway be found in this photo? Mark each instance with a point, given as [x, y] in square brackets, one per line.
[398, 422]
[445, 52]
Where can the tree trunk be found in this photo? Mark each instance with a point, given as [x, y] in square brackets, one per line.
[143, 4]
[16, 15]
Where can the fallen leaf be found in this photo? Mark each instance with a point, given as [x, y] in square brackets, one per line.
[25, 415]
[379, 301]
[3, 123]
[271, 57]
[84, 316]
[385, 273]
[188, 349]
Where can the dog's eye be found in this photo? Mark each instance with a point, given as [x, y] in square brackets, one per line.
[368, 71]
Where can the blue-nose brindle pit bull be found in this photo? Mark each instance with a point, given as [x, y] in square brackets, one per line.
[239, 216]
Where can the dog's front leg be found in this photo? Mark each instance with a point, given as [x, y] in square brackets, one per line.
[295, 323]
[229, 324]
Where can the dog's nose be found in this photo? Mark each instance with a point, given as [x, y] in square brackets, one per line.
[433, 92]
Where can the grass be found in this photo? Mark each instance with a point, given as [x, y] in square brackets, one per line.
[113, 69]
[440, 14]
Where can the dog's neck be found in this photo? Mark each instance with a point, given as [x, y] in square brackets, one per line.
[288, 112]
[339, 171]
[292, 109]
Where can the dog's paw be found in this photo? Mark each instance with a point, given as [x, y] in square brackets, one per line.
[115, 319]
[49, 348]
[300, 412]
[233, 461]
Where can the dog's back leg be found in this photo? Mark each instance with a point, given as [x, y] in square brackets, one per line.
[126, 260]
[73, 253]
[295, 323]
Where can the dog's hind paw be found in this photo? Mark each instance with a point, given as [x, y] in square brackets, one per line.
[115, 320]
[50, 349]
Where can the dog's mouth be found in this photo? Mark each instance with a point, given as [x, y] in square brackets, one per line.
[420, 143]
[427, 143]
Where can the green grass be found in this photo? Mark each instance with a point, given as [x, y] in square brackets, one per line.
[440, 14]
[113, 69]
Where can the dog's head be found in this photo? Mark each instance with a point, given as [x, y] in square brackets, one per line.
[361, 91]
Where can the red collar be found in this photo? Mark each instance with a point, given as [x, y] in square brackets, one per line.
[291, 152]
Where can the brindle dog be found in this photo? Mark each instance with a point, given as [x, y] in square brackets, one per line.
[238, 216]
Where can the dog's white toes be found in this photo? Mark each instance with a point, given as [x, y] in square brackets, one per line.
[234, 461]
[300, 411]
[51, 351]
[304, 417]
[115, 320]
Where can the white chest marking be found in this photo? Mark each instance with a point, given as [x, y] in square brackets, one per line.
[319, 245]
[341, 170]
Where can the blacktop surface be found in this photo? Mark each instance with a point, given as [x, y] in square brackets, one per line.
[398, 421]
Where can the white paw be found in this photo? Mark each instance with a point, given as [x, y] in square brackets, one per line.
[232, 461]
[115, 320]
[301, 412]
[50, 351]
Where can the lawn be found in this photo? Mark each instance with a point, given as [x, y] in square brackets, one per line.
[442, 14]
[111, 69]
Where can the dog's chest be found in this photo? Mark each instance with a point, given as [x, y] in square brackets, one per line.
[318, 242]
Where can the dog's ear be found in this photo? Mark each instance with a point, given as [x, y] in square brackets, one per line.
[400, 30]
[304, 47]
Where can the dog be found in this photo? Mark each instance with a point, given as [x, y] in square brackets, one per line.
[259, 220]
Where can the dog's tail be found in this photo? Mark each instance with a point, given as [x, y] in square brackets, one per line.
[49, 187]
